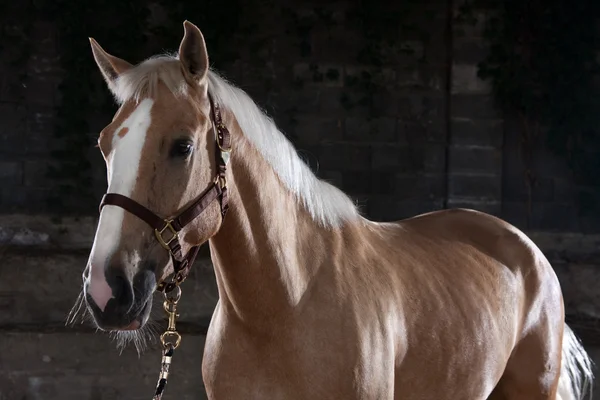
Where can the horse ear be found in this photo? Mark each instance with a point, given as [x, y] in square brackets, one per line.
[192, 52]
[110, 66]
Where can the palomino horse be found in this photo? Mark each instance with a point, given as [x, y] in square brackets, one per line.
[315, 301]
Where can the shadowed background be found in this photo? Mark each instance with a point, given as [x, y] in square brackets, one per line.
[408, 106]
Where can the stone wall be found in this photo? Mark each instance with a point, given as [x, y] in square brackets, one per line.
[41, 358]
[476, 128]
[429, 137]
[419, 132]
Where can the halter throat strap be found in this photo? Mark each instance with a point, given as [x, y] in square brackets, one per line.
[167, 230]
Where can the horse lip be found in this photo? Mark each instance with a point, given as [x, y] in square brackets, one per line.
[134, 325]
[139, 319]
[137, 322]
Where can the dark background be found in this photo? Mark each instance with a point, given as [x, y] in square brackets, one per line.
[408, 106]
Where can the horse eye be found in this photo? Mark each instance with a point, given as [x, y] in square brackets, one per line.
[181, 148]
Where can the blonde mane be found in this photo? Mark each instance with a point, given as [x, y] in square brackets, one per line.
[327, 205]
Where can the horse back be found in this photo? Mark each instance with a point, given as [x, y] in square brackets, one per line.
[478, 252]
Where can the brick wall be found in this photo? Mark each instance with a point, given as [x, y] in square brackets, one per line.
[432, 138]
[27, 110]
[41, 358]
[428, 136]
[476, 128]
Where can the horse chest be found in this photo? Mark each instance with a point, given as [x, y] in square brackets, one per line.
[302, 367]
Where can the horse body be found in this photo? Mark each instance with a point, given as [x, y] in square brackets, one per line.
[315, 301]
[382, 310]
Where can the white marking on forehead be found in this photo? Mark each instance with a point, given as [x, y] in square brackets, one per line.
[124, 162]
[127, 150]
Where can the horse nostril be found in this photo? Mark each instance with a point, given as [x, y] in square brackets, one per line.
[144, 282]
[121, 288]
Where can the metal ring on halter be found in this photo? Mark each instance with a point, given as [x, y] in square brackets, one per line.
[170, 338]
[173, 296]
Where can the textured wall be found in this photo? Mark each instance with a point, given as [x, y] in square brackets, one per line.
[429, 136]
[420, 132]
[41, 358]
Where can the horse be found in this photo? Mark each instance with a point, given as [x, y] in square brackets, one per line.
[316, 301]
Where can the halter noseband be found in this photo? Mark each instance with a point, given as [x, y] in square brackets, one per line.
[217, 190]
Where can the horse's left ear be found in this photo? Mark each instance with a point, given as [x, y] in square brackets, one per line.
[192, 52]
[110, 66]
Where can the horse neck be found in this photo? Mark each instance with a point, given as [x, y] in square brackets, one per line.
[269, 247]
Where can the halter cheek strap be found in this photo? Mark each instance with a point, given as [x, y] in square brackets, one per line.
[167, 230]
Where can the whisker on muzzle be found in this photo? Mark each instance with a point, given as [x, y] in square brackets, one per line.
[78, 312]
[141, 338]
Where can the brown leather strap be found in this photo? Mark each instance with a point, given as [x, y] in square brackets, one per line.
[223, 146]
[115, 199]
[181, 270]
[223, 135]
[195, 209]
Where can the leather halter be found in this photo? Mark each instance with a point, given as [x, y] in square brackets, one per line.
[182, 264]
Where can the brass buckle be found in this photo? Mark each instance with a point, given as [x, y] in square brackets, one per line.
[159, 234]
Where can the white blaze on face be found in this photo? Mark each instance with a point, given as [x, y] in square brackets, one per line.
[124, 161]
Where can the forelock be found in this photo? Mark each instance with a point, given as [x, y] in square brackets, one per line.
[142, 80]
